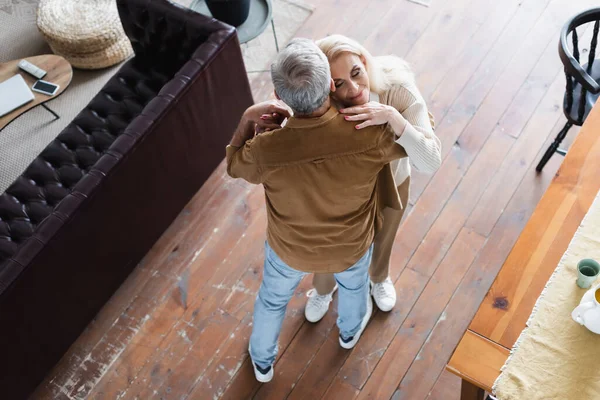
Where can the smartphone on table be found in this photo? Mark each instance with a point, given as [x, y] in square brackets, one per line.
[45, 87]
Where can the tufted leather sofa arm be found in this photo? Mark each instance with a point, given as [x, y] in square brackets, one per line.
[91, 205]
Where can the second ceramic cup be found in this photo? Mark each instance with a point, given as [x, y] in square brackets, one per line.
[587, 272]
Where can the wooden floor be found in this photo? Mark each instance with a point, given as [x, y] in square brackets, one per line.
[491, 75]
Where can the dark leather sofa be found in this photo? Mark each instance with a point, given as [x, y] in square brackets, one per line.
[90, 206]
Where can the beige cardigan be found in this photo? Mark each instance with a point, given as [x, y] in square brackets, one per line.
[418, 139]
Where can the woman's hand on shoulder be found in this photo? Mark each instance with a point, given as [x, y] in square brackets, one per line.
[374, 113]
[371, 113]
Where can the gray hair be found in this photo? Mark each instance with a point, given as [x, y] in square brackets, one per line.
[301, 76]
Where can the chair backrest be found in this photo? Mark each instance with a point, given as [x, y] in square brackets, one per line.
[574, 70]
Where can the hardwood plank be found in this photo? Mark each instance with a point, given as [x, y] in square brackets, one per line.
[511, 172]
[296, 359]
[372, 345]
[174, 347]
[507, 21]
[174, 250]
[447, 387]
[448, 34]
[328, 359]
[244, 385]
[478, 360]
[378, 379]
[342, 392]
[226, 364]
[355, 24]
[443, 339]
[186, 358]
[399, 38]
[499, 150]
[415, 30]
[460, 156]
[504, 67]
[293, 322]
[163, 294]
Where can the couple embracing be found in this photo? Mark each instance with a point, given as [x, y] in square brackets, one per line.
[336, 177]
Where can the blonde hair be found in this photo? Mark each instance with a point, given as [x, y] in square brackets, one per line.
[383, 71]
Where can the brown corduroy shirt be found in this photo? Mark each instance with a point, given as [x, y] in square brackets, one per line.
[325, 183]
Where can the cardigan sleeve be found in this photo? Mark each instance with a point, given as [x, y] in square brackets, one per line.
[418, 139]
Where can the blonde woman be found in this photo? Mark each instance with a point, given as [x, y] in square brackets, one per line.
[373, 91]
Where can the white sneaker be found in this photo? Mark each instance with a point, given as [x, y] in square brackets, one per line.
[351, 341]
[262, 375]
[384, 294]
[317, 305]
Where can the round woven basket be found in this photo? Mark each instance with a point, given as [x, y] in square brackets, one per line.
[88, 33]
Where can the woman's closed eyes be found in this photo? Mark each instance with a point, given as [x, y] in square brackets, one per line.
[355, 72]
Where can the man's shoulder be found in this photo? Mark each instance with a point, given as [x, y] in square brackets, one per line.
[334, 138]
[348, 128]
[268, 138]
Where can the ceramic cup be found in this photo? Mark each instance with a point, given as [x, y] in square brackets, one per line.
[587, 312]
[587, 272]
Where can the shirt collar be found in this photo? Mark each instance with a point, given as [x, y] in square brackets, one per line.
[312, 122]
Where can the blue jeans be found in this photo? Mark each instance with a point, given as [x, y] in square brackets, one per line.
[277, 288]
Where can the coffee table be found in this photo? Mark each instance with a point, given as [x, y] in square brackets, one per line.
[504, 312]
[59, 72]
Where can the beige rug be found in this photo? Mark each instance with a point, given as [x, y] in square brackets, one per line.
[21, 9]
[555, 357]
[28, 135]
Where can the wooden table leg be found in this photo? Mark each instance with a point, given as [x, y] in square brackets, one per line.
[468, 391]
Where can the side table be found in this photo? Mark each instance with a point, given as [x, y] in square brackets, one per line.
[58, 70]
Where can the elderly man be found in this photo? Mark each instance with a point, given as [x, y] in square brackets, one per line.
[325, 183]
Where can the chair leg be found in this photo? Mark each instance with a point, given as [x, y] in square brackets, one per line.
[554, 146]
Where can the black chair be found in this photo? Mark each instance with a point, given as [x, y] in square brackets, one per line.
[583, 88]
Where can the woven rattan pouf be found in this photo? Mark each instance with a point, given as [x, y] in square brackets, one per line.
[88, 33]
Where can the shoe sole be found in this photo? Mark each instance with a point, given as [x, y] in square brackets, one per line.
[383, 309]
[318, 319]
[264, 380]
[357, 336]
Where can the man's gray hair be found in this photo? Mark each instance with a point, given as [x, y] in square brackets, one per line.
[301, 76]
